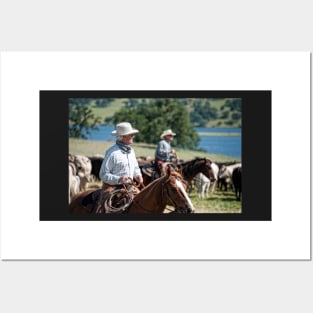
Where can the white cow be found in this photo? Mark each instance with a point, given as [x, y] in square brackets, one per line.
[83, 166]
[73, 181]
[79, 174]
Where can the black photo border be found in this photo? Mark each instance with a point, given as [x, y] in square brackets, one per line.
[256, 154]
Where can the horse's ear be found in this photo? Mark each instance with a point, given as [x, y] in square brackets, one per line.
[208, 161]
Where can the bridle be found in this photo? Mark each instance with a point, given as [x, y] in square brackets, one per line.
[165, 194]
[174, 204]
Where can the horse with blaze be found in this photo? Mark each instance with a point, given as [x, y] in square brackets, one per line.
[168, 190]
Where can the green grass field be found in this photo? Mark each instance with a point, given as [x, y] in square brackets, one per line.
[219, 202]
[90, 148]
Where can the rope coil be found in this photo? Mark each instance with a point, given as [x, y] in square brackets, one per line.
[119, 200]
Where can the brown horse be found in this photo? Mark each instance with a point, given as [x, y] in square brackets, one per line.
[169, 189]
[191, 168]
[188, 170]
[149, 172]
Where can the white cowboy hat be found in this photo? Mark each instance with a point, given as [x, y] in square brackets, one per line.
[167, 132]
[124, 129]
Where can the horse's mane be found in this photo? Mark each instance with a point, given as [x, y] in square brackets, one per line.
[152, 198]
[190, 168]
[188, 164]
[193, 161]
[162, 178]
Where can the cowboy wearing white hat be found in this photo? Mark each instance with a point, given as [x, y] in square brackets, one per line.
[167, 132]
[120, 163]
[124, 129]
[164, 152]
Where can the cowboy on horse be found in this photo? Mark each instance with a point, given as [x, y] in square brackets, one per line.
[164, 152]
[120, 168]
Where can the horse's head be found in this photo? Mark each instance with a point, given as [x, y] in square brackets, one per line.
[174, 189]
[207, 170]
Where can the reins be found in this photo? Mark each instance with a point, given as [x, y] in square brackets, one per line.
[140, 205]
[164, 193]
[173, 202]
[119, 200]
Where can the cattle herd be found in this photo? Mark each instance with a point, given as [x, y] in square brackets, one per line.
[83, 170]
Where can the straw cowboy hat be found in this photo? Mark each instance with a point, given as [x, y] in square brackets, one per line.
[167, 132]
[124, 129]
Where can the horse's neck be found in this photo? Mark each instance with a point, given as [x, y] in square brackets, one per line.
[149, 200]
[191, 170]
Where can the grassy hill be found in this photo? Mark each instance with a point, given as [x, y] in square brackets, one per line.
[219, 105]
[109, 111]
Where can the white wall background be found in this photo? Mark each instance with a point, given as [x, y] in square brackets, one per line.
[150, 286]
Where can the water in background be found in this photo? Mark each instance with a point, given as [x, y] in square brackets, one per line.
[225, 145]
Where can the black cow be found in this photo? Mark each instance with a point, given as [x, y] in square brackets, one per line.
[96, 162]
[236, 177]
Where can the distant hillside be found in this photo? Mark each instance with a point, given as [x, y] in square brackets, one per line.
[204, 112]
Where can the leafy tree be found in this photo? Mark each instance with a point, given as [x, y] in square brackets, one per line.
[225, 114]
[230, 123]
[153, 118]
[236, 116]
[81, 119]
[234, 104]
[202, 113]
[103, 102]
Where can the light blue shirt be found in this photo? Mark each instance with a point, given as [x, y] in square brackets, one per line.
[117, 163]
[163, 150]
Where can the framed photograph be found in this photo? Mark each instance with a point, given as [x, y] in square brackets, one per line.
[265, 96]
[223, 144]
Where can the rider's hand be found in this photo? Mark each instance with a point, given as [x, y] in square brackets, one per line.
[124, 180]
[139, 179]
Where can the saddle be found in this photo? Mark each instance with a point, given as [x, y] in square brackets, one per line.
[148, 170]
